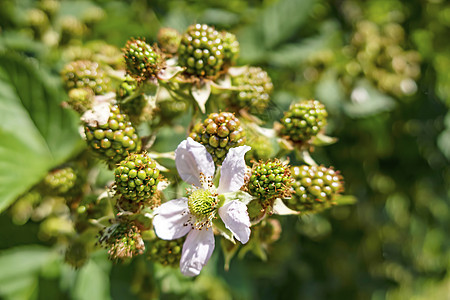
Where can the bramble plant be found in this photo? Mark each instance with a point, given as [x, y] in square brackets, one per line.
[144, 210]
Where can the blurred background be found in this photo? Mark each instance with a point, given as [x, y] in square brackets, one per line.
[379, 66]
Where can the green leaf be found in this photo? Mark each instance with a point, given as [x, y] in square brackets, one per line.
[37, 134]
[20, 268]
[282, 19]
[93, 280]
[367, 101]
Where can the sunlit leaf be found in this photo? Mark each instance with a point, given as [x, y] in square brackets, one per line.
[37, 134]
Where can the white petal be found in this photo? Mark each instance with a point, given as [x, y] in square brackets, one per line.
[197, 250]
[98, 115]
[170, 219]
[235, 217]
[191, 159]
[233, 170]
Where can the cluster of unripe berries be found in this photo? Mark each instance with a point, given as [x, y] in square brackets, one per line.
[270, 180]
[137, 177]
[85, 74]
[219, 132]
[316, 188]
[167, 253]
[142, 61]
[303, 120]
[115, 139]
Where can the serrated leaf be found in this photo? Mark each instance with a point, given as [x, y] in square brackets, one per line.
[201, 94]
[37, 134]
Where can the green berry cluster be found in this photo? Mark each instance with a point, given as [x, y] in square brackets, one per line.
[60, 182]
[169, 40]
[115, 139]
[137, 177]
[219, 132]
[167, 253]
[85, 74]
[123, 239]
[141, 60]
[303, 120]
[255, 87]
[230, 48]
[315, 188]
[201, 51]
[132, 105]
[270, 180]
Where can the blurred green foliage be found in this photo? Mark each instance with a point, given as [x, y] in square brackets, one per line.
[380, 67]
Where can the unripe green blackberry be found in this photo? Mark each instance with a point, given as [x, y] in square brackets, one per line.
[167, 253]
[230, 48]
[60, 182]
[137, 177]
[201, 51]
[169, 40]
[262, 148]
[270, 180]
[133, 107]
[255, 88]
[123, 239]
[114, 139]
[142, 61]
[38, 22]
[303, 120]
[50, 7]
[71, 28]
[80, 99]
[85, 74]
[315, 188]
[219, 133]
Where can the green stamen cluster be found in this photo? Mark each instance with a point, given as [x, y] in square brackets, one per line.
[141, 60]
[255, 88]
[85, 74]
[167, 253]
[123, 240]
[315, 188]
[219, 133]
[304, 120]
[115, 139]
[201, 51]
[137, 177]
[270, 180]
[202, 204]
[60, 182]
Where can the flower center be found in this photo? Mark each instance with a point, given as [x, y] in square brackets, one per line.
[202, 204]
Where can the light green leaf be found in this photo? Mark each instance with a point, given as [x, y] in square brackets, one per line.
[330, 92]
[367, 100]
[239, 195]
[92, 281]
[37, 134]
